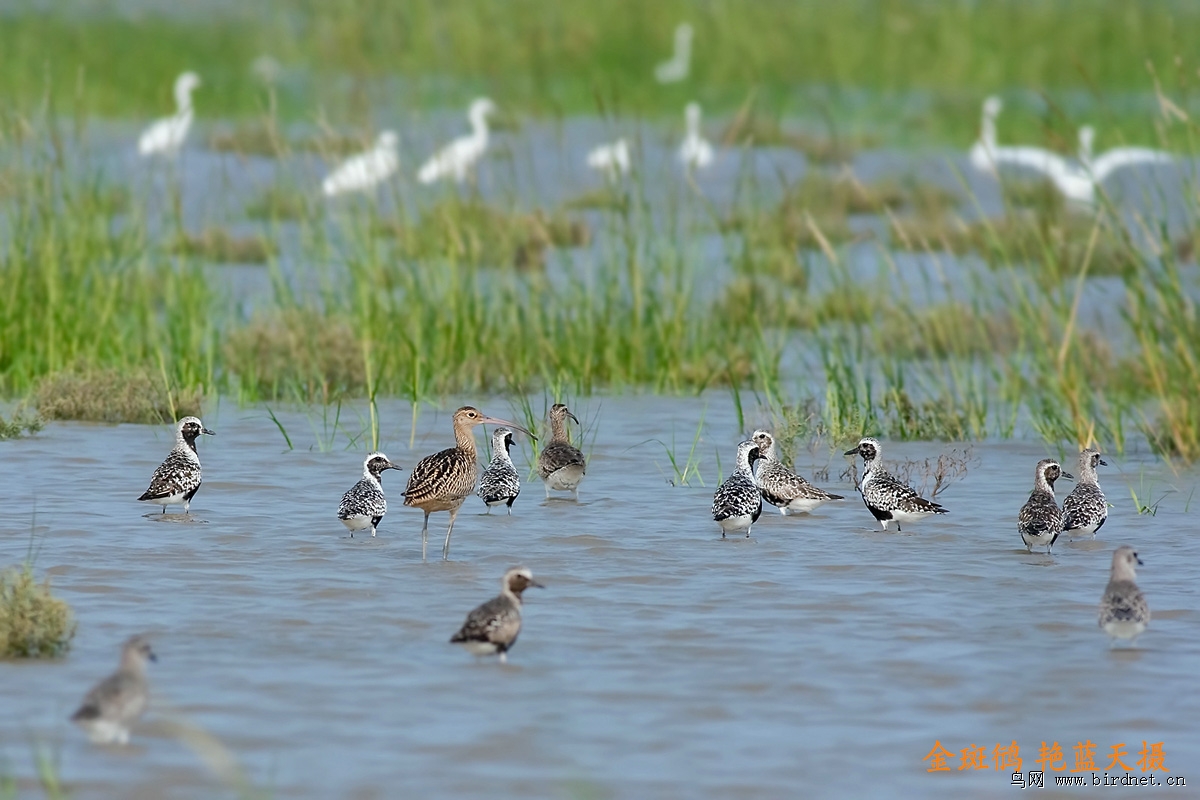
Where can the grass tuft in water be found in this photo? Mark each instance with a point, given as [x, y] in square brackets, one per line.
[18, 425]
[114, 396]
[33, 622]
[221, 246]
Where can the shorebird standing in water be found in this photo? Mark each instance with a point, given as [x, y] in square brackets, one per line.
[1085, 509]
[780, 486]
[737, 503]
[1040, 520]
[364, 505]
[1124, 613]
[494, 626]
[165, 136]
[886, 496]
[500, 482]
[119, 700]
[177, 478]
[444, 480]
[561, 464]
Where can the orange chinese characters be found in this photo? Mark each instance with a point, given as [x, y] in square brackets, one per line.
[1152, 757]
[973, 758]
[937, 758]
[1118, 750]
[1085, 757]
[1048, 757]
[1007, 757]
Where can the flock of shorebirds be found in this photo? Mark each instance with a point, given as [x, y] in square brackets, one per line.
[443, 481]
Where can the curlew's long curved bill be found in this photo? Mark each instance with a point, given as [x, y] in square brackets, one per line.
[572, 416]
[496, 421]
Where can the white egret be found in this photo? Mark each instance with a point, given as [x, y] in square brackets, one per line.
[695, 152]
[364, 171]
[986, 153]
[456, 159]
[677, 68]
[1116, 158]
[612, 159]
[165, 136]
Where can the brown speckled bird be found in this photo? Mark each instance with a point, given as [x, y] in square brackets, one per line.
[561, 464]
[443, 481]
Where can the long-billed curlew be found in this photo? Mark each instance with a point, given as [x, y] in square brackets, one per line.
[443, 481]
[561, 464]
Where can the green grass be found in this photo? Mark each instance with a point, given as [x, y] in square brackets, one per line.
[19, 424]
[33, 622]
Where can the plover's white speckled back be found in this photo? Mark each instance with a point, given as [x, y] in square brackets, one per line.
[1124, 613]
[1085, 509]
[364, 505]
[177, 478]
[1040, 520]
[737, 502]
[780, 486]
[119, 700]
[500, 483]
[886, 496]
[493, 627]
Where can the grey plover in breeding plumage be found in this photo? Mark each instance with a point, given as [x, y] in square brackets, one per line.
[500, 483]
[1124, 613]
[364, 505]
[443, 481]
[886, 496]
[1085, 509]
[561, 464]
[737, 503]
[494, 626]
[780, 486]
[119, 700]
[1040, 520]
[177, 479]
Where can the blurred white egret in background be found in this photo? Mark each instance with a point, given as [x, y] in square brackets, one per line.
[612, 159]
[695, 152]
[677, 68]
[456, 159]
[1116, 158]
[987, 154]
[165, 136]
[365, 170]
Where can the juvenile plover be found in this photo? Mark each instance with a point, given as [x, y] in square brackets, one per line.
[443, 481]
[1085, 509]
[1124, 613]
[886, 496]
[364, 505]
[494, 626]
[177, 478]
[1040, 520]
[561, 464]
[119, 700]
[500, 483]
[780, 486]
[737, 503]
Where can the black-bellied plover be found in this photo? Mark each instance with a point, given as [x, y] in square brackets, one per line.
[1124, 613]
[364, 505]
[886, 496]
[119, 700]
[443, 481]
[1040, 520]
[500, 483]
[780, 486]
[737, 503]
[177, 478]
[494, 626]
[1085, 509]
[561, 464]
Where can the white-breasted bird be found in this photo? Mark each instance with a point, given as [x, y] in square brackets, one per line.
[695, 152]
[364, 505]
[612, 159]
[456, 159]
[679, 65]
[493, 627]
[1124, 612]
[366, 170]
[165, 136]
[115, 703]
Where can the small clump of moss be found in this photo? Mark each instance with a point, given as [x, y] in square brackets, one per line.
[19, 425]
[113, 396]
[219, 245]
[298, 354]
[33, 622]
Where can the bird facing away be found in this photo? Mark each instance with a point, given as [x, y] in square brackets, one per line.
[366, 170]
[120, 699]
[886, 496]
[494, 626]
[165, 136]
[695, 152]
[364, 505]
[1124, 613]
[1085, 509]
[677, 67]
[781, 487]
[444, 480]
[612, 159]
[1040, 520]
[177, 478]
[561, 464]
[500, 482]
[737, 503]
[456, 159]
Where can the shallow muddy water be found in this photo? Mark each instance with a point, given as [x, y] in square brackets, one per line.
[820, 658]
